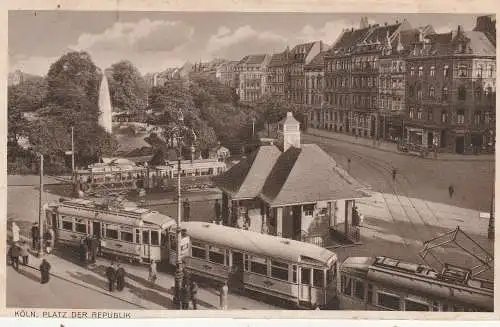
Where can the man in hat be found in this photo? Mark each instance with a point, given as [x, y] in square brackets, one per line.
[44, 271]
[111, 275]
[120, 278]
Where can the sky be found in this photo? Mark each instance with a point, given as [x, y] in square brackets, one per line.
[154, 41]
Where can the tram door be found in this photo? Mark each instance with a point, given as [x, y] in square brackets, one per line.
[146, 250]
[238, 271]
[305, 284]
[96, 229]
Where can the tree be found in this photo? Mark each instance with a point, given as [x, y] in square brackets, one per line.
[127, 88]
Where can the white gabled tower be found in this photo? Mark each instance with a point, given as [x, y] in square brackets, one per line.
[289, 132]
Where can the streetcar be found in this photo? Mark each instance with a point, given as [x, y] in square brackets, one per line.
[299, 273]
[137, 234]
[382, 283]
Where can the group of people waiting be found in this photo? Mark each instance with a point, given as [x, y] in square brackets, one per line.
[115, 274]
[188, 293]
[20, 249]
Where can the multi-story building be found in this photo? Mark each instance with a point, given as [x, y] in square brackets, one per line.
[314, 78]
[351, 76]
[227, 74]
[487, 25]
[451, 83]
[278, 74]
[301, 55]
[252, 77]
[392, 83]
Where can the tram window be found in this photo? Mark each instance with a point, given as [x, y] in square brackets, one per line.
[137, 236]
[370, 294]
[126, 236]
[145, 237]
[111, 231]
[279, 270]
[258, 266]
[294, 273]
[67, 225]
[198, 250]
[216, 255]
[415, 306]
[435, 306]
[305, 277]
[246, 263]
[80, 226]
[318, 278]
[155, 238]
[346, 284]
[458, 308]
[388, 301]
[359, 289]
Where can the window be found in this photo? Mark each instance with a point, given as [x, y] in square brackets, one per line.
[155, 240]
[67, 224]
[318, 278]
[487, 117]
[126, 235]
[309, 208]
[415, 306]
[294, 273]
[445, 93]
[411, 113]
[279, 270]
[420, 71]
[460, 117]
[216, 255]
[359, 289]
[446, 69]
[388, 301]
[478, 93]
[137, 236]
[412, 71]
[411, 90]
[419, 113]
[432, 71]
[490, 71]
[419, 93]
[198, 250]
[462, 70]
[461, 93]
[480, 71]
[80, 226]
[305, 276]
[258, 266]
[111, 231]
[489, 92]
[145, 237]
[444, 116]
[346, 285]
[477, 118]
[430, 115]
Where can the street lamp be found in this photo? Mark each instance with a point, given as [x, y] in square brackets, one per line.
[491, 223]
[180, 132]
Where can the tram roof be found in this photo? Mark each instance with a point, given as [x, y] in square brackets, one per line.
[129, 215]
[258, 244]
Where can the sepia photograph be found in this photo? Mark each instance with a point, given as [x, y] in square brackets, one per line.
[176, 160]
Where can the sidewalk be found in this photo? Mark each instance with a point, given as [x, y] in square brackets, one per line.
[392, 147]
[138, 290]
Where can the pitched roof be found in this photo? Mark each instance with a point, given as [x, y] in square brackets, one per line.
[278, 59]
[317, 61]
[350, 38]
[245, 179]
[305, 47]
[380, 33]
[307, 175]
[253, 59]
[480, 44]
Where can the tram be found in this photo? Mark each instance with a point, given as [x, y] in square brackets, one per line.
[296, 272]
[137, 234]
[383, 283]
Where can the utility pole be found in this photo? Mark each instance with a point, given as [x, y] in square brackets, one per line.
[491, 222]
[253, 126]
[40, 211]
[72, 150]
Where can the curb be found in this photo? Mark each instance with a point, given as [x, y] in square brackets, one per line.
[395, 152]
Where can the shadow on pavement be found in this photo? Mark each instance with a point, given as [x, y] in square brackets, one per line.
[27, 274]
[89, 279]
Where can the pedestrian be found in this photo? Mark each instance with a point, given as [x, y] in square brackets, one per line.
[35, 235]
[394, 172]
[185, 297]
[193, 287]
[24, 253]
[44, 271]
[218, 211]
[152, 272]
[186, 210]
[15, 252]
[111, 275]
[120, 278]
[83, 252]
[223, 296]
[451, 190]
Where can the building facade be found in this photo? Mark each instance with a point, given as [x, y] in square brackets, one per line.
[252, 77]
[451, 82]
[314, 73]
[278, 74]
[227, 74]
